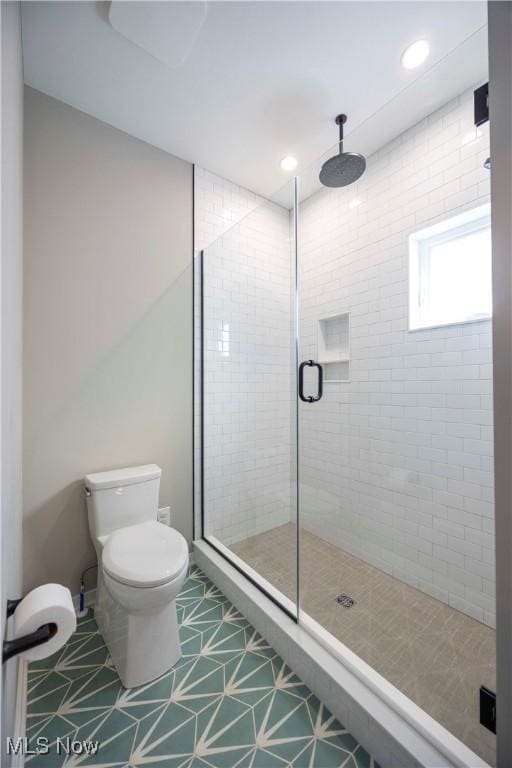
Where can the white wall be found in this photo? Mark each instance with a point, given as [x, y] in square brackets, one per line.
[500, 105]
[11, 322]
[107, 326]
[397, 465]
[247, 321]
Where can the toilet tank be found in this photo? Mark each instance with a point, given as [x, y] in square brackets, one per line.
[122, 497]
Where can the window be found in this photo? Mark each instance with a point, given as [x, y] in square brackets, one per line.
[450, 271]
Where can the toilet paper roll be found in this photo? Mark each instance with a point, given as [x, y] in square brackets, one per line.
[50, 603]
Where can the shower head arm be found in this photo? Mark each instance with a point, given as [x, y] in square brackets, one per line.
[343, 168]
[341, 120]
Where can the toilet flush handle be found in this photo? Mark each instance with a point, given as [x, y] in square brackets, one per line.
[87, 492]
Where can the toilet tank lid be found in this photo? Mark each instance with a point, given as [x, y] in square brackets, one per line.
[119, 477]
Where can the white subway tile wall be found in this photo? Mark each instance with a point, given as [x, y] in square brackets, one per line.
[218, 206]
[247, 358]
[397, 465]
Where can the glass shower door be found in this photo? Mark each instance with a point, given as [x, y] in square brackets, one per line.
[395, 415]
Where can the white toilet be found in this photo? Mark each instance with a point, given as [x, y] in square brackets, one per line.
[142, 565]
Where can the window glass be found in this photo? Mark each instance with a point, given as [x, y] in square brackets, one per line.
[450, 271]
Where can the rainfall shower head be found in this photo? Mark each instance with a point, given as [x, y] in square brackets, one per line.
[345, 167]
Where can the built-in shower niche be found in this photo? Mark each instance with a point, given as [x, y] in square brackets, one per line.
[334, 347]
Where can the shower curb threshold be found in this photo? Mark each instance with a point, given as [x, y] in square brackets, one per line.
[385, 722]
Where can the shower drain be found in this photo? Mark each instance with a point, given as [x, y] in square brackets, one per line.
[345, 600]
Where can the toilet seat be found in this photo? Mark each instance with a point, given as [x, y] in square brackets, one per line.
[145, 555]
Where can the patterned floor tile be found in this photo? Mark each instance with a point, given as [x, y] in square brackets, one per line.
[230, 702]
[436, 655]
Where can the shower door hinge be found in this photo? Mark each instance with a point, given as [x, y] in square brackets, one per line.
[488, 708]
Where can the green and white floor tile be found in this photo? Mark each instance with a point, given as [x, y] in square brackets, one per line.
[230, 702]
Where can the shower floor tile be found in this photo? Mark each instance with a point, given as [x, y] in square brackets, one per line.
[436, 655]
[230, 702]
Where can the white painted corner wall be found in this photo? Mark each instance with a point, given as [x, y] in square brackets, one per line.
[10, 340]
[107, 326]
[500, 105]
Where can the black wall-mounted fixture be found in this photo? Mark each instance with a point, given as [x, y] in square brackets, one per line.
[41, 635]
[488, 708]
[481, 102]
[318, 396]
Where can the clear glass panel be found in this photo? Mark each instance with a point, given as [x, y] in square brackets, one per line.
[396, 458]
[249, 393]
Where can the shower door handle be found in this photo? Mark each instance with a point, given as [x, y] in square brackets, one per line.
[311, 398]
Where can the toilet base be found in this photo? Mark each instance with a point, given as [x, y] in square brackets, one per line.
[143, 645]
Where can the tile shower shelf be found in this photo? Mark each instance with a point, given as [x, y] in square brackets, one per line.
[333, 359]
[333, 347]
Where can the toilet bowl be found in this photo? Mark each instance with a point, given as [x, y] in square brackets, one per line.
[142, 567]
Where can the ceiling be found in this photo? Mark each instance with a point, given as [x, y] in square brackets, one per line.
[236, 86]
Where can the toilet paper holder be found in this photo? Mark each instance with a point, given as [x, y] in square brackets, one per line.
[18, 645]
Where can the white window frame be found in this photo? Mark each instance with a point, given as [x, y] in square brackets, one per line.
[420, 245]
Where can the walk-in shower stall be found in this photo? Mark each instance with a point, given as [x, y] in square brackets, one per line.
[344, 422]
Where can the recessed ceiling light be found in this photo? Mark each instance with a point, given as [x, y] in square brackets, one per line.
[415, 54]
[289, 163]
